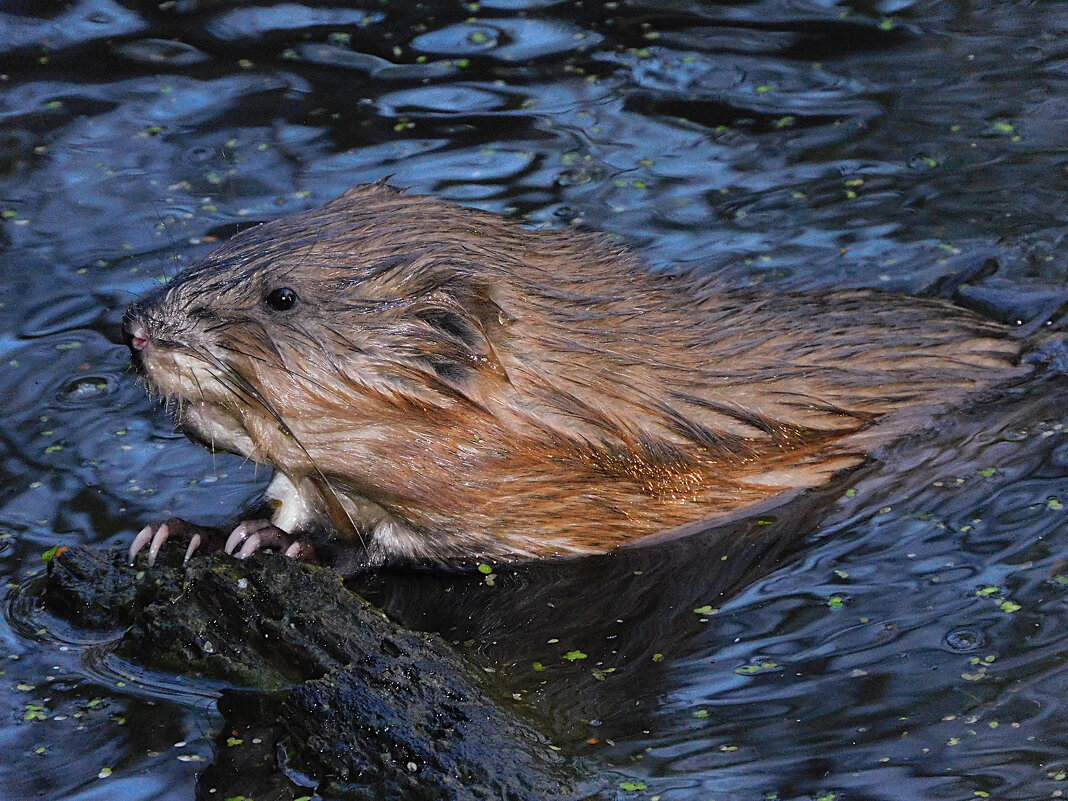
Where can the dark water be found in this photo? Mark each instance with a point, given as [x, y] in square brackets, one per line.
[918, 649]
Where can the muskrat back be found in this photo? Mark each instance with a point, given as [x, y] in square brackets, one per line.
[440, 384]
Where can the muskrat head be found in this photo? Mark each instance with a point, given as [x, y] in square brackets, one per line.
[316, 342]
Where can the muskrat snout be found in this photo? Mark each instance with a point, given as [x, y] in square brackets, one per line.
[135, 338]
[134, 333]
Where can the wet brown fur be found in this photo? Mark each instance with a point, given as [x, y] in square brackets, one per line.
[502, 392]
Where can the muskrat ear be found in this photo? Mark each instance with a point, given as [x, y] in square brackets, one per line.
[459, 335]
[453, 324]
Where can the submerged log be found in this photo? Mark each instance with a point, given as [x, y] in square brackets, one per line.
[369, 709]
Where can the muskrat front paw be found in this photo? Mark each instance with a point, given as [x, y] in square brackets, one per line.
[255, 535]
[156, 535]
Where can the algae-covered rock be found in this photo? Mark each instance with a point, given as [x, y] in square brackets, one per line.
[369, 709]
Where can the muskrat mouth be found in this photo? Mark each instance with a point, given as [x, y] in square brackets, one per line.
[202, 405]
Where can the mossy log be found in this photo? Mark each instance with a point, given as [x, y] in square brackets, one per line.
[364, 707]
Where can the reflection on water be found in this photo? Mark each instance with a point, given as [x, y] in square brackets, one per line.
[914, 650]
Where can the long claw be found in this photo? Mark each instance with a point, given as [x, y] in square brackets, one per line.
[300, 550]
[160, 537]
[244, 530]
[140, 541]
[252, 544]
[237, 536]
[194, 543]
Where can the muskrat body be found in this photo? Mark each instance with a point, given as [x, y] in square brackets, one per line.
[439, 384]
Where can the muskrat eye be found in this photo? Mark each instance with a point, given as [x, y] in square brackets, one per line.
[282, 299]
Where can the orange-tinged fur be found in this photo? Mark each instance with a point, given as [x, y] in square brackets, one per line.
[453, 386]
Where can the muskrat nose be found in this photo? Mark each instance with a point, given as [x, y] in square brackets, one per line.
[133, 333]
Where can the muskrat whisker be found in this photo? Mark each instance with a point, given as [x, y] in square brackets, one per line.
[290, 371]
[234, 381]
[170, 241]
[226, 379]
[233, 322]
[196, 381]
[176, 413]
[214, 450]
[133, 295]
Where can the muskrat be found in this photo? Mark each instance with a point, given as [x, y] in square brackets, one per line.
[438, 384]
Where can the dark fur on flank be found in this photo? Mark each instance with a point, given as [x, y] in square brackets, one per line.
[451, 386]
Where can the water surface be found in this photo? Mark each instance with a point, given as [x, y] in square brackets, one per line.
[915, 650]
